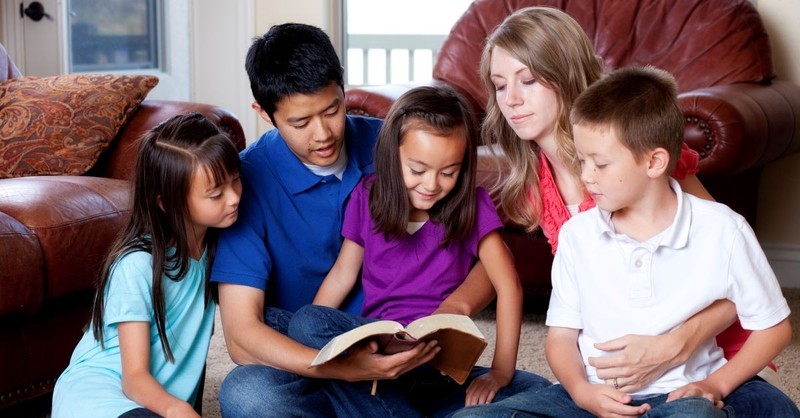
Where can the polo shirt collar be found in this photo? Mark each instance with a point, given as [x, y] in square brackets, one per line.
[675, 236]
[297, 178]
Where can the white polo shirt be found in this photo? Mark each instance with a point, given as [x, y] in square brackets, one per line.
[608, 285]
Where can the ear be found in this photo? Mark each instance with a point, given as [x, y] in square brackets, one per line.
[657, 162]
[261, 112]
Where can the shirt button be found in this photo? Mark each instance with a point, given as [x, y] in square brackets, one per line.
[638, 263]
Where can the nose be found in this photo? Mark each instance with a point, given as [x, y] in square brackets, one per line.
[513, 97]
[430, 182]
[322, 131]
[587, 173]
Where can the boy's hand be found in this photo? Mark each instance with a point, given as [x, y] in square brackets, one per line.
[702, 389]
[605, 401]
[484, 387]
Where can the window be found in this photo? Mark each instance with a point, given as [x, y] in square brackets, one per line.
[114, 35]
[390, 41]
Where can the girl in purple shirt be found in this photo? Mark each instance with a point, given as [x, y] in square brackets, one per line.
[416, 227]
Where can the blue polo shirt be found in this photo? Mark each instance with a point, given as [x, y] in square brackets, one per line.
[288, 234]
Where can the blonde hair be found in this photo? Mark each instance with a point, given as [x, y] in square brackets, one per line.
[557, 51]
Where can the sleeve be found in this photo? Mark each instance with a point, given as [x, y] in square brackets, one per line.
[356, 214]
[242, 256]
[687, 163]
[129, 290]
[486, 217]
[564, 307]
[753, 286]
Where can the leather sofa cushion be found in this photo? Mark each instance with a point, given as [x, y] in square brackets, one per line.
[73, 219]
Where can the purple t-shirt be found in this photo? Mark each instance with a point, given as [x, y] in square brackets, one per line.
[405, 279]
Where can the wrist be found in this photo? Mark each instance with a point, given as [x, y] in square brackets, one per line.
[678, 347]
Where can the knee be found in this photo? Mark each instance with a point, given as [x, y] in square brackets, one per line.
[308, 326]
[240, 391]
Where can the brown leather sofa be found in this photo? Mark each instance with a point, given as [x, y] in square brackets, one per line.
[54, 233]
[739, 116]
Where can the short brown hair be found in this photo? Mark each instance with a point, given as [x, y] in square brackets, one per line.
[641, 105]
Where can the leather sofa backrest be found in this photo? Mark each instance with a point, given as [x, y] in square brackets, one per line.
[703, 43]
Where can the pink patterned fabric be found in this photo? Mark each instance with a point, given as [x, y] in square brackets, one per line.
[554, 210]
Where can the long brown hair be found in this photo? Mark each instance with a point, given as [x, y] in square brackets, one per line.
[442, 111]
[168, 156]
[559, 54]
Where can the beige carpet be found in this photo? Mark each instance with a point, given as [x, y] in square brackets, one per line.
[531, 353]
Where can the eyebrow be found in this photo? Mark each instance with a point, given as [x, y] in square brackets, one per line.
[333, 104]
[426, 165]
[495, 75]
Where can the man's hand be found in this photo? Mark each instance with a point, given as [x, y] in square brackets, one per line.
[365, 363]
[636, 361]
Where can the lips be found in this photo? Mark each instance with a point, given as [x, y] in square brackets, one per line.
[517, 119]
[325, 152]
[426, 196]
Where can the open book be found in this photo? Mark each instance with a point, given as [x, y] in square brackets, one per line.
[458, 336]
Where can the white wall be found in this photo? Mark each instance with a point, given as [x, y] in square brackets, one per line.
[778, 223]
[221, 32]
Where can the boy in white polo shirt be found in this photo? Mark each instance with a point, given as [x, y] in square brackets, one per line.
[646, 259]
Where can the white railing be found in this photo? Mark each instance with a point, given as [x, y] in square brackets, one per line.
[380, 59]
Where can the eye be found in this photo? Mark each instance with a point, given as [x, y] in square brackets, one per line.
[499, 87]
[333, 113]
[415, 172]
[601, 165]
[530, 82]
[449, 174]
[215, 196]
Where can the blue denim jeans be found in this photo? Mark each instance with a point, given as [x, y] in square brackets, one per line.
[755, 398]
[260, 391]
[140, 413]
[420, 392]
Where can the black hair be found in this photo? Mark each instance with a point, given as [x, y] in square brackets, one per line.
[291, 58]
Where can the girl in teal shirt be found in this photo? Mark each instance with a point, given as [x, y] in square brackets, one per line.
[144, 351]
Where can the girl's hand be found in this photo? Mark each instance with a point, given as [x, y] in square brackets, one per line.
[484, 387]
[605, 401]
[702, 389]
[636, 361]
[182, 410]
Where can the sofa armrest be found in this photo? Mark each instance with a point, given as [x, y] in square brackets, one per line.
[117, 162]
[740, 126]
[375, 101]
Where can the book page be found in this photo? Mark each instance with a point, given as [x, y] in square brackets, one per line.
[429, 324]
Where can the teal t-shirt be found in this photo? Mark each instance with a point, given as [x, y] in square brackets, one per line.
[91, 386]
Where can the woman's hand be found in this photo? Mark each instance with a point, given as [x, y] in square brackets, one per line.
[484, 387]
[636, 360]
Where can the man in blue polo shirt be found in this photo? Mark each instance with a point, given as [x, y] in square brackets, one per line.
[296, 180]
